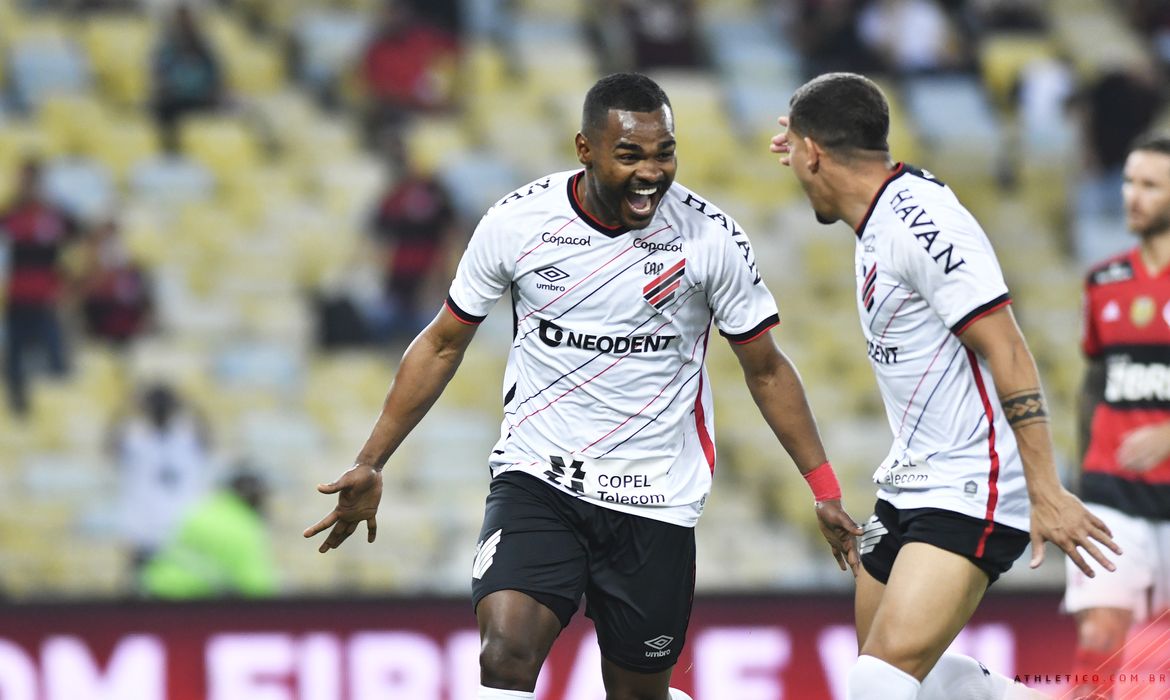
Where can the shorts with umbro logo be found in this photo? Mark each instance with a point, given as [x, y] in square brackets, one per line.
[637, 574]
[993, 549]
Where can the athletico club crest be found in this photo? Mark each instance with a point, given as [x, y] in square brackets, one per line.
[662, 289]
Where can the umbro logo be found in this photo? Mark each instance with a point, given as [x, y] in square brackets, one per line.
[659, 644]
[552, 273]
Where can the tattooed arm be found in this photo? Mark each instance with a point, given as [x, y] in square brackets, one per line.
[1057, 515]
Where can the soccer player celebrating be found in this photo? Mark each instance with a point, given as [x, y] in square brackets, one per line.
[972, 449]
[1125, 424]
[605, 458]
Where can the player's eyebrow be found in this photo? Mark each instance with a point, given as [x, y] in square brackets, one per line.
[631, 146]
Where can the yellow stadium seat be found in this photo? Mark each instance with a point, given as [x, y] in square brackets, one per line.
[1002, 57]
[222, 144]
[255, 192]
[431, 143]
[20, 140]
[122, 142]
[72, 119]
[119, 48]
[255, 69]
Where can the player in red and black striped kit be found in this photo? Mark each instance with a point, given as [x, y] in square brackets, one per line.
[1125, 424]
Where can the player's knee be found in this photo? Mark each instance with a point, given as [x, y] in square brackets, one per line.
[1102, 629]
[509, 663]
[897, 652]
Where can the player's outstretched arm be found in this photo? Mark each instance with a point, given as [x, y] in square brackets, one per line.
[427, 366]
[1057, 515]
[777, 390]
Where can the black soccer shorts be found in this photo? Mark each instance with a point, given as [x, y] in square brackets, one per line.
[889, 528]
[637, 574]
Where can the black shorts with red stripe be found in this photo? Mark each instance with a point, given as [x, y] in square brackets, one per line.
[992, 549]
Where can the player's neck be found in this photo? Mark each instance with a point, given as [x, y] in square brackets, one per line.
[858, 191]
[1155, 252]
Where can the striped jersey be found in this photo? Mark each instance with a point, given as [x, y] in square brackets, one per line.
[605, 392]
[926, 271]
[1127, 327]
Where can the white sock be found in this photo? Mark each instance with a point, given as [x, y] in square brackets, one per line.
[486, 693]
[874, 679]
[958, 677]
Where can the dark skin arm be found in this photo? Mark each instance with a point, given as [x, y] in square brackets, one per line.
[1092, 392]
[776, 388]
[1057, 515]
[427, 366]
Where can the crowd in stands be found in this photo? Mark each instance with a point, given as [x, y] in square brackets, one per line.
[232, 215]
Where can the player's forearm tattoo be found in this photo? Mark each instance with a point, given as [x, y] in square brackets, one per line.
[1025, 407]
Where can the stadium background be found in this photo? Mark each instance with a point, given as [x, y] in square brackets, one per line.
[264, 212]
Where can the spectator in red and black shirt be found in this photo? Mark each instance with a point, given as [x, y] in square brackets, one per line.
[116, 298]
[412, 224]
[404, 69]
[36, 232]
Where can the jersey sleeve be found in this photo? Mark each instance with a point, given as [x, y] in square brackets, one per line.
[1090, 340]
[953, 267]
[742, 305]
[484, 274]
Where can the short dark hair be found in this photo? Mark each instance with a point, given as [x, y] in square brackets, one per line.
[841, 112]
[1155, 141]
[631, 92]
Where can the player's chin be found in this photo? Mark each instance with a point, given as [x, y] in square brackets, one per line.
[639, 218]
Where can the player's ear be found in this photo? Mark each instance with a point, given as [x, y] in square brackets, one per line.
[584, 153]
[813, 149]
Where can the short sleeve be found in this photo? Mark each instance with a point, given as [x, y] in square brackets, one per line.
[742, 305]
[484, 272]
[953, 267]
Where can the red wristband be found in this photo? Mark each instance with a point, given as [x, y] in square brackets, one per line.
[823, 483]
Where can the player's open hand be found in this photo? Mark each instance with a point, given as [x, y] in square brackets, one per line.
[1063, 520]
[359, 491]
[841, 532]
[780, 143]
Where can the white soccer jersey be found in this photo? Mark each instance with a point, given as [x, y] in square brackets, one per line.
[605, 392]
[926, 271]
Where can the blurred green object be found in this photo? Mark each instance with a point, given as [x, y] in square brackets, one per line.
[222, 549]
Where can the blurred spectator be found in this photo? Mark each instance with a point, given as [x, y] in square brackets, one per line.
[1007, 15]
[910, 36]
[222, 548]
[1121, 105]
[1117, 106]
[827, 31]
[413, 224]
[116, 296]
[186, 74]
[162, 451]
[655, 33]
[1152, 18]
[406, 68]
[36, 233]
